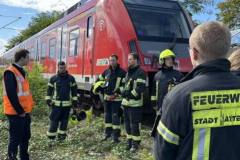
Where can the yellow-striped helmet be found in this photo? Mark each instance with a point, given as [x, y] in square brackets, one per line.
[96, 85]
[165, 54]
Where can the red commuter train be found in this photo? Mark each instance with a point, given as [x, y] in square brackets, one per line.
[92, 30]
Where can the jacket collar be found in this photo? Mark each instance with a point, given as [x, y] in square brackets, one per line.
[218, 65]
[131, 70]
[17, 65]
[166, 69]
[63, 74]
[117, 67]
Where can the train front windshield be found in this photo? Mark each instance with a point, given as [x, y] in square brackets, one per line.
[158, 24]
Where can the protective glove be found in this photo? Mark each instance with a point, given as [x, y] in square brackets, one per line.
[75, 104]
[49, 103]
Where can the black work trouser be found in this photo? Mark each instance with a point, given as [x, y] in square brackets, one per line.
[132, 120]
[58, 122]
[19, 135]
[112, 119]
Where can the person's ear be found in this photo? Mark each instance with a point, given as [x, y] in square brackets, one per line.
[195, 54]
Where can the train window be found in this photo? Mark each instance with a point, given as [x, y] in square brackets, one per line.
[74, 38]
[64, 42]
[52, 47]
[32, 54]
[90, 26]
[43, 50]
[133, 47]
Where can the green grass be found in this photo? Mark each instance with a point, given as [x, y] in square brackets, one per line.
[83, 143]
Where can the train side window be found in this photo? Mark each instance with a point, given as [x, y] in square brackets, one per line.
[32, 53]
[89, 26]
[52, 47]
[133, 47]
[64, 42]
[43, 50]
[74, 38]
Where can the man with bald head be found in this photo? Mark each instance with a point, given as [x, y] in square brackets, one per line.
[201, 116]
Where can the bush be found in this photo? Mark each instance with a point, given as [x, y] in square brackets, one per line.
[38, 86]
[2, 117]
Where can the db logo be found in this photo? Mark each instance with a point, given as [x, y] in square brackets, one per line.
[101, 25]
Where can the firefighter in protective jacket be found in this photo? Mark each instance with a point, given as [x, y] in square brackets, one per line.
[201, 115]
[165, 79]
[132, 93]
[61, 96]
[110, 81]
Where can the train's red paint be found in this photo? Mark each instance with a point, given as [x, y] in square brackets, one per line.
[95, 29]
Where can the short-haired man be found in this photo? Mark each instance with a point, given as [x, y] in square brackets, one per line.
[113, 78]
[61, 96]
[132, 93]
[18, 104]
[200, 117]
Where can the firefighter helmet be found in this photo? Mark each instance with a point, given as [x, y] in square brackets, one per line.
[165, 54]
[81, 115]
[77, 117]
[73, 119]
[97, 85]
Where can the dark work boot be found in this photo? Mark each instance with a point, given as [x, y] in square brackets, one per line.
[134, 148]
[129, 144]
[116, 135]
[116, 139]
[12, 157]
[61, 137]
[106, 137]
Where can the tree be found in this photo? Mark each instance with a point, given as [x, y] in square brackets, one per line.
[196, 6]
[230, 13]
[38, 23]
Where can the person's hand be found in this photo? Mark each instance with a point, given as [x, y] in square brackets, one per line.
[112, 97]
[74, 104]
[49, 103]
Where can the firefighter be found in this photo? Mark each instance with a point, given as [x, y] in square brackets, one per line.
[165, 79]
[111, 79]
[132, 93]
[235, 62]
[200, 116]
[17, 104]
[61, 96]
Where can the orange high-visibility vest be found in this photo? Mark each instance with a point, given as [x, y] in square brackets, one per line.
[23, 93]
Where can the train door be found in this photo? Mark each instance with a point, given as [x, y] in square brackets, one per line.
[89, 52]
[82, 47]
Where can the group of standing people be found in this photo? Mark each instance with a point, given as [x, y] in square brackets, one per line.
[126, 90]
[196, 119]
